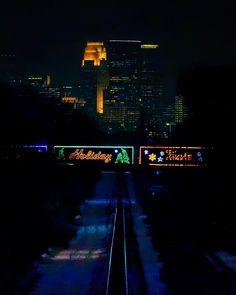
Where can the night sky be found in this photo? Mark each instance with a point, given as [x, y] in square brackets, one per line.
[49, 35]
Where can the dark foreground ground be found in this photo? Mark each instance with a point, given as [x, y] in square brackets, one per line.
[191, 218]
[188, 213]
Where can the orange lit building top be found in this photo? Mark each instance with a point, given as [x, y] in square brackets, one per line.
[94, 51]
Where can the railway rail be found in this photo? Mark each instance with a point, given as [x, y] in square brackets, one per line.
[122, 261]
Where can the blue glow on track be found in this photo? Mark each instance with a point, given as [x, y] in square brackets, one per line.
[125, 256]
[111, 251]
[99, 202]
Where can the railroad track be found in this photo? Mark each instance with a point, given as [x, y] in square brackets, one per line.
[122, 267]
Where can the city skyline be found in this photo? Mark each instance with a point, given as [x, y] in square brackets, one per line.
[196, 45]
[50, 36]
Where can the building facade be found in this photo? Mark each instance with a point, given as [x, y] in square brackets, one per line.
[122, 85]
[94, 77]
[121, 101]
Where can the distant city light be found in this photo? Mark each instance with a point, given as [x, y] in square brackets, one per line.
[128, 41]
[149, 46]
[39, 147]
[74, 254]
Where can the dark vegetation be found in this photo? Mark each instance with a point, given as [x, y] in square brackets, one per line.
[39, 202]
[39, 199]
[193, 210]
[210, 92]
[187, 223]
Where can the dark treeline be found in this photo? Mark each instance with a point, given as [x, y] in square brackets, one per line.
[39, 199]
[39, 202]
[193, 213]
[186, 223]
[27, 118]
[209, 93]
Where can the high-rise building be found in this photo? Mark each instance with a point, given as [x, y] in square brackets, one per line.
[121, 108]
[39, 82]
[42, 86]
[35, 82]
[181, 111]
[74, 103]
[94, 77]
[151, 85]
[122, 83]
[151, 91]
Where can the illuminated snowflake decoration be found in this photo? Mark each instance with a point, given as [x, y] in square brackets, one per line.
[152, 157]
[199, 157]
[162, 153]
[146, 152]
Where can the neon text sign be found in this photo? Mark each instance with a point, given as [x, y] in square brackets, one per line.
[79, 154]
[173, 156]
[108, 155]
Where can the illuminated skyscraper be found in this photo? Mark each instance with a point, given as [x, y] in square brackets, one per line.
[94, 52]
[122, 82]
[95, 76]
[181, 111]
[151, 90]
[151, 84]
[121, 109]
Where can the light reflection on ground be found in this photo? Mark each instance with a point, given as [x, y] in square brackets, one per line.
[77, 254]
[94, 229]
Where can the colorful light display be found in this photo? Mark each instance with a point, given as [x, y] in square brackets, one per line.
[173, 156]
[104, 154]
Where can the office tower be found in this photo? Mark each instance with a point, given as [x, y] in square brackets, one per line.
[151, 90]
[173, 116]
[35, 82]
[53, 94]
[151, 84]
[181, 111]
[73, 102]
[42, 86]
[39, 82]
[122, 83]
[94, 77]
[121, 108]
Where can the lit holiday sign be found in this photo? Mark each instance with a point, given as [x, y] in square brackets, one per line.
[173, 156]
[103, 154]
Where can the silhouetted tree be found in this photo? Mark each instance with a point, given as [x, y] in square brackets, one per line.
[24, 116]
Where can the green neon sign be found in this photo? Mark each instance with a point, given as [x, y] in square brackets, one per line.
[106, 154]
[122, 157]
